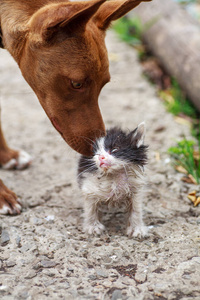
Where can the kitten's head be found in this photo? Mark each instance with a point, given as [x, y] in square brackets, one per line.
[118, 149]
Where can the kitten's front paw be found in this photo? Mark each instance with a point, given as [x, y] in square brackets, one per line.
[96, 228]
[138, 231]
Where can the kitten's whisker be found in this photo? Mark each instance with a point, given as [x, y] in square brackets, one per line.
[124, 166]
[90, 168]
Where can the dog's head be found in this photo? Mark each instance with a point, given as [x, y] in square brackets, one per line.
[65, 62]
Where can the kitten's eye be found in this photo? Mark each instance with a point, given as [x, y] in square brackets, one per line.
[114, 150]
[76, 85]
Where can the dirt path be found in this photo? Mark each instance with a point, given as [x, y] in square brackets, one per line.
[44, 254]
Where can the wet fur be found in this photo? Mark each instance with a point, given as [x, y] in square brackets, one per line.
[121, 184]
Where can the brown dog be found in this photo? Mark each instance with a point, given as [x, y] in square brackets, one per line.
[59, 47]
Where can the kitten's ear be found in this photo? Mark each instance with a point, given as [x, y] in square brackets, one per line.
[138, 135]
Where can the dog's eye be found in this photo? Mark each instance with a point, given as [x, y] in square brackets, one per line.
[76, 85]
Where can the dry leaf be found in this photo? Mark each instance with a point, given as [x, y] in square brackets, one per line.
[157, 156]
[193, 193]
[167, 97]
[197, 201]
[192, 179]
[180, 169]
[160, 128]
[183, 121]
[194, 198]
[196, 155]
[189, 179]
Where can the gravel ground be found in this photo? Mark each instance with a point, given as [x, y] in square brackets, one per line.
[44, 253]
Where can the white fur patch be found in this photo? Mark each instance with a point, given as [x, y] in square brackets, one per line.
[96, 228]
[11, 164]
[21, 162]
[18, 206]
[139, 231]
[5, 210]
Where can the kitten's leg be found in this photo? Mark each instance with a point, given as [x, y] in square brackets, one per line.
[92, 225]
[136, 226]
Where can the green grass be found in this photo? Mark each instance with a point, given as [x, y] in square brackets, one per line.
[186, 152]
[186, 155]
[176, 102]
[186, 1]
[129, 30]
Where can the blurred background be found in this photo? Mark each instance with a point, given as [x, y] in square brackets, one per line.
[166, 35]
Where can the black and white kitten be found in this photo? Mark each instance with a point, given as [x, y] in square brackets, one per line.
[115, 175]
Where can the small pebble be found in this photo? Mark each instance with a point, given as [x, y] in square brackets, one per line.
[47, 263]
[10, 264]
[5, 238]
[31, 275]
[101, 273]
[107, 283]
[117, 295]
[50, 218]
[23, 295]
[37, 221]
[92, 277]
[50, 282]
[140, 277]
[18, 241]
[50, 273]
[3, 288]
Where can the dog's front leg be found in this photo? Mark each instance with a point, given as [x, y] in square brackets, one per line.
[9, 204]
[9, 159]
[12, 159]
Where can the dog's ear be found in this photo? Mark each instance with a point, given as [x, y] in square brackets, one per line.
[61, 17]
[113, 10]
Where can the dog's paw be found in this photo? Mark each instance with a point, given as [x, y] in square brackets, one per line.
[21, 162]
[139, 231]
[9, 204]
[97, 228]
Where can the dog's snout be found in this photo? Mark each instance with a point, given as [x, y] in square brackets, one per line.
[56, 124]
[83, 143]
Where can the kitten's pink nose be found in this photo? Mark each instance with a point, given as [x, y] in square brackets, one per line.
[104, 162]
[101, 158]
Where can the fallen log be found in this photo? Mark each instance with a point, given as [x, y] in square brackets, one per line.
[174, 37]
